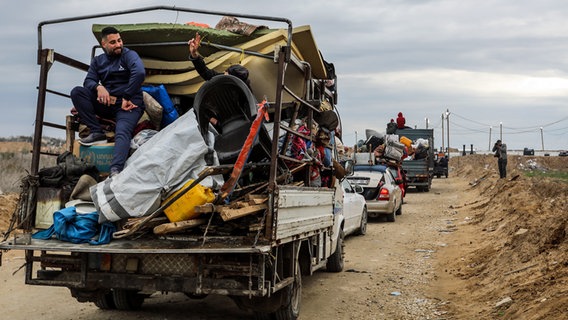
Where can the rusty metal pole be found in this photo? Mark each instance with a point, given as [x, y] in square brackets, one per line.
[46, 60]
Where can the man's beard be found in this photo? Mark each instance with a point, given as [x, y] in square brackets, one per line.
[114, 52]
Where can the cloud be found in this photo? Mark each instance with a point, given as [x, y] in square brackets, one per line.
[487, 61]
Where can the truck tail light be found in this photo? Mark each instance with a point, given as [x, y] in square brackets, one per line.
[383, 195]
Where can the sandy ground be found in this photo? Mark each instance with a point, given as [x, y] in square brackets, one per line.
[474, 247]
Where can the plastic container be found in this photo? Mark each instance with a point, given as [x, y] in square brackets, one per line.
[184, 207]
[404, 140]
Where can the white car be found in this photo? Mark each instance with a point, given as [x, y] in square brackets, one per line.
[383, 195]
[354, 209]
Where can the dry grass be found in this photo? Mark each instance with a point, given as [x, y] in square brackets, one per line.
[15, 163]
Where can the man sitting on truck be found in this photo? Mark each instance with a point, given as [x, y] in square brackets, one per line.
[112, 90]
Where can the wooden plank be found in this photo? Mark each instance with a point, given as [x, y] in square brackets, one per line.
[206, 208]
[230, 213]
[178, 226]
[254, 199]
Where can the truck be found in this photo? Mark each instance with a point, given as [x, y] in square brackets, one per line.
[419, 172]
[283, 228]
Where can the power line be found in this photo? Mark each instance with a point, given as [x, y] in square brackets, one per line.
[514, 128]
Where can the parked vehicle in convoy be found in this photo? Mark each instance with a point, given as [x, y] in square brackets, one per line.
[354, 209]
[528, 152]
[399, 178]
[266, 227]
[563, 154]
[380, 189]
[440, 165]
[419, 172]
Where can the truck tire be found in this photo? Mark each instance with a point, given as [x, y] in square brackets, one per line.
[105, 301]
[127, 299]
[335, 261]
[290, 310]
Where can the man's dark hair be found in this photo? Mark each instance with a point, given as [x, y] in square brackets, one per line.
[108, 30]
[240, 72]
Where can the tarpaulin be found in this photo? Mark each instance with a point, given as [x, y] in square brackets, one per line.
[157, 169]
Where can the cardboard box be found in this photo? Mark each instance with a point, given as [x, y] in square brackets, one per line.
[100, 155]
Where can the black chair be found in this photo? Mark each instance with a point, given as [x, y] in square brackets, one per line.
[229, 100]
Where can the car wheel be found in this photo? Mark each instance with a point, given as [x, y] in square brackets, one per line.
[363, 226]
[335, 261]
[399, 210]
[391, 216]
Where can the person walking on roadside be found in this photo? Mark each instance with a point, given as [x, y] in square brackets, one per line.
[113, 90]
[500, 150]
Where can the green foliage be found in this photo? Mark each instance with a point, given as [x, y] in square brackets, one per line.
[557, 175]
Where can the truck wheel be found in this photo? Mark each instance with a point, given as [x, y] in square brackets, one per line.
[105, 301]
[290, 310]
[335, 261]
[127, 299]
[363, 226]
[262, 316]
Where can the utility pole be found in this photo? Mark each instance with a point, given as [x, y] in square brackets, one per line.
[443, 148]
[490, 127]
[501, 131]
[426, 123]
[448, 129]
[542, 138]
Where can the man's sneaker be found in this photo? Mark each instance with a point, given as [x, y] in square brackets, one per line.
[93, 138]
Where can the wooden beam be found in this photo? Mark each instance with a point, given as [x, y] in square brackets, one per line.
[230, 214]
[178, 226]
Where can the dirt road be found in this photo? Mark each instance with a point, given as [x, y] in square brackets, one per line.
[387, 276]
[474, 247]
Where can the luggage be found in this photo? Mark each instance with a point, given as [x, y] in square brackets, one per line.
[373, 142]
[392, 137]
[394, 150]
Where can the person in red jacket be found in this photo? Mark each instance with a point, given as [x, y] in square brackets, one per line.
[400, 121]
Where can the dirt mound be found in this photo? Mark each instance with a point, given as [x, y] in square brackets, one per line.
[7, 207]
[516, 260]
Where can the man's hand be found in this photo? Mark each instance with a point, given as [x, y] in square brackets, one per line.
[103, 97]
[127, 105]
[194, 45]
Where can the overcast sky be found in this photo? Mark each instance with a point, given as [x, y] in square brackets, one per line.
[498, 66]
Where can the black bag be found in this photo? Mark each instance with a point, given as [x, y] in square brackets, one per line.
[374, 142]
[67, 171]
[51, 177]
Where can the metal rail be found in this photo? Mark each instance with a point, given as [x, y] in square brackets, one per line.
[157, 8]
